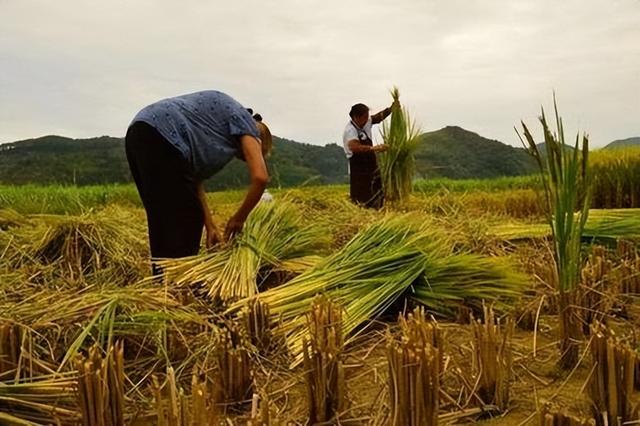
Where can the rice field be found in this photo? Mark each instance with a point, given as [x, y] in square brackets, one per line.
[444, 310]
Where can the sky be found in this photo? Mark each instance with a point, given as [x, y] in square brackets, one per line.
[83, 68]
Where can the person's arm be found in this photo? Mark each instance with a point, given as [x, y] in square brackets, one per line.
[356, 147]
[380, 116]
[259, 177]
[211, 230]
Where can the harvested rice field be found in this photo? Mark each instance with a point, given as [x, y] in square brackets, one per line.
[442, 311]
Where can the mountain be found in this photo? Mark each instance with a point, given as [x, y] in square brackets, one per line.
[60, 160]
[623, 143]
[450, 152]
[457, 153]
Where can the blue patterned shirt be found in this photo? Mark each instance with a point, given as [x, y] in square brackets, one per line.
[204, 126]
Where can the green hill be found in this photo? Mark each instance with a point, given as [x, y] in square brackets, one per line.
[450, 152]
[56, 159]
[457, 153]
[623, 143]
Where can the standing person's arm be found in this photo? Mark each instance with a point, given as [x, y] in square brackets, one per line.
[356, 147]
[380, 116]
[252, 153]
[212, 233]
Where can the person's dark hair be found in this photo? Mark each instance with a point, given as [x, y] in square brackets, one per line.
[255, 116]
[358, 110]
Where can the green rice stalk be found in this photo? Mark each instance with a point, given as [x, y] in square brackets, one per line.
[567, 187]
[397, 164]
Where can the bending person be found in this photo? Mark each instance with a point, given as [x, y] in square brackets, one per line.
[172, 146]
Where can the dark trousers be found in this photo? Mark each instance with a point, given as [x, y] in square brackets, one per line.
[168, 192]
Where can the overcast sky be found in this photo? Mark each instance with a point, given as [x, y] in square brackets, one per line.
[83, 68]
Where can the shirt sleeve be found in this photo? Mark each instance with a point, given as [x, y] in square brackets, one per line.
[350, 133]
[242, 123]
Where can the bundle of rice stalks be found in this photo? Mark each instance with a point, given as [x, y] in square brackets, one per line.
[598, 289]
[39, 400]
[375, 268]
[466, 280]
[616, 178]
[612, 224]
[415, 366]
[397, 164]
[174, 408]
[546, 417]
[273, 234]
[324, 373]
[101, 386]
[106, 243]
[567, 188]
[611, 385]
[492, 359]
[365, 277]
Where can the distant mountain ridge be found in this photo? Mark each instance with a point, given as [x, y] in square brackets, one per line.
[449, 152]
[623, 143]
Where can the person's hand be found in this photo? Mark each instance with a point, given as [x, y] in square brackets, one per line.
[234, 226]
[380, 148]
[395, 104]
[212, 236]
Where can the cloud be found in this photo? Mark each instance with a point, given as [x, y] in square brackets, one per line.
[84, 68]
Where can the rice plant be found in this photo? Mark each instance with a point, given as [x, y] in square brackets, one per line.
[397, 164]
[567, 188]
[616, 178]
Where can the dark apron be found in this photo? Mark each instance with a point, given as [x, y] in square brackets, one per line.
[366, 184]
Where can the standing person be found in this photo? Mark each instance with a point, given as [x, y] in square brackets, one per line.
[172, 146]
[364, 176]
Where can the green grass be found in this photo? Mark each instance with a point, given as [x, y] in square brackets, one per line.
[59, 199]
[471, 185]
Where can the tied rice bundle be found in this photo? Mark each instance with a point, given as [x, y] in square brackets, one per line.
[274, 234]
[397, 164]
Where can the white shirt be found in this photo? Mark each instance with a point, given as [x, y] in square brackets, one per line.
[351, 133]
